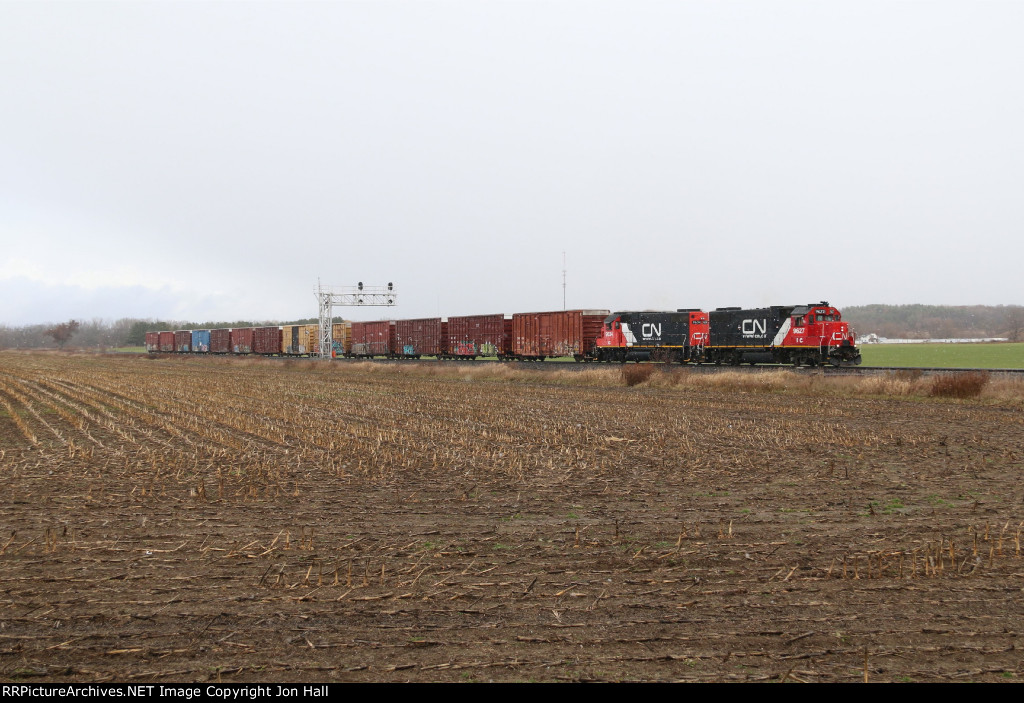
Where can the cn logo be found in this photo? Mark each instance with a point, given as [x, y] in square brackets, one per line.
[649, 330]
[755, 327]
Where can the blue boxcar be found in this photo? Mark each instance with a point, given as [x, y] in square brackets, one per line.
[201, 341]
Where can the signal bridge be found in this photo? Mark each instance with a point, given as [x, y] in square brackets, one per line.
[347, 296]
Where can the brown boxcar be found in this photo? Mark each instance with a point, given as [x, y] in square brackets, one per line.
[242, 339]
[220, 341]
[152, 341]
[166, 341]
[480, 335]
[538, 335]
[421, 337]
[183, 341]
[373, 338]
[266, 340]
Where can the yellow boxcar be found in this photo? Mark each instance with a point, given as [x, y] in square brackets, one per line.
[310, 337]
[342, 333]
[293, 341]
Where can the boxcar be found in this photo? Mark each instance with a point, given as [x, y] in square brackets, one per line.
[201, 341]
[341, 334]
[373, 338]
[166, 341]
[183, 341]
[421, 337]
[309, 337]
[470, 336]
[293, 340]
[152, 341]
[220, 341]
[538, 335]
[242, 340]
[266, 340]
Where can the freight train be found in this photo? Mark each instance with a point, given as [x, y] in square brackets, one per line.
[796, 334]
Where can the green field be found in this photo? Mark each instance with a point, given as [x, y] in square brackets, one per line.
[981, 355]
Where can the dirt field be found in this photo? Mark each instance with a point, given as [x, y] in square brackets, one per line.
[242, 521]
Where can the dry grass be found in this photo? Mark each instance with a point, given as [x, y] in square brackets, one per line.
[900, 384]
[959, 385]
[636, 374]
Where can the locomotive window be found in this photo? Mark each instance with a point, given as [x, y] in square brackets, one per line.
[616, 324]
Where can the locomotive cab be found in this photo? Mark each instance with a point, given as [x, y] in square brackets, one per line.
[612, 334]
[615, 339]
[818, 334]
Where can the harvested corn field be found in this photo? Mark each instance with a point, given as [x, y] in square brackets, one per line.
[233, 520]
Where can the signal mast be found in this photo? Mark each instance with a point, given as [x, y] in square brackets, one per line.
[346, 296]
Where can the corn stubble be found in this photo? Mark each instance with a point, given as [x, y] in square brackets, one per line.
[231, 513]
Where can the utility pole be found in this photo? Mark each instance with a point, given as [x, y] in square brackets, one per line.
[358, 295]
[563, 279]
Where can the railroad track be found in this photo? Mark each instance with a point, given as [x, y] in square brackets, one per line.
[695, 368]
[712, 368]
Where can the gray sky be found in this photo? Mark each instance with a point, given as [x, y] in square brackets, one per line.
[211, 160]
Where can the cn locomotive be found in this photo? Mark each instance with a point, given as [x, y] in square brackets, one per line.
[798, 335]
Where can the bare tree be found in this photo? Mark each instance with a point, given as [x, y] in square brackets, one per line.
[1013, 319]
[63, 332]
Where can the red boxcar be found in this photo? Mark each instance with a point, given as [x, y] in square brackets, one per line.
[373, 338]
[166, 341]
[266, 340]
[220, 341]
[480, 335]
[537, 335]
[242, 340]
[152, 341]
[422, 337]
[183, 341]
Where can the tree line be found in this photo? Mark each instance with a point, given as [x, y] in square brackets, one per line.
[106, 334]
[938, 321]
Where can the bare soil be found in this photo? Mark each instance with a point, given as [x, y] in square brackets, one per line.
[206, 520]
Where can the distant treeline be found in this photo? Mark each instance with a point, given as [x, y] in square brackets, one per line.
[895, 321]
[106, 334]
[937, 321]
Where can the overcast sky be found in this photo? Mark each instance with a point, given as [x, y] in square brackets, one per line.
[203, 161]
